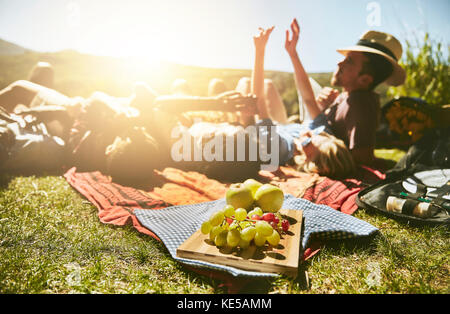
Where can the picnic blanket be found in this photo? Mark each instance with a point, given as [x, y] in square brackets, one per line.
[320, 222]
[327, 204]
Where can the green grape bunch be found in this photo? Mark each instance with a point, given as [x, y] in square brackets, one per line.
[250, 216]
[230, 227]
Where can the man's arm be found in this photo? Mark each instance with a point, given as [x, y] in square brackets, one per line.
[301, 77]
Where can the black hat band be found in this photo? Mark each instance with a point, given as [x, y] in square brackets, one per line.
[366, 43]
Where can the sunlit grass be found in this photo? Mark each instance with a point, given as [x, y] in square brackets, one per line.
[391, 154]
[53, 242]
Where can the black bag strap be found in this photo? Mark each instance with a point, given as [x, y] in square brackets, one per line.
[441, 192]
[438, 196]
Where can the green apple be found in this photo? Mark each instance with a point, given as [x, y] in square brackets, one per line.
[239, 196]
[269, 197]
[253, 185]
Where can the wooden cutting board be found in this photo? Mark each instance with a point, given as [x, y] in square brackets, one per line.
[282, 259]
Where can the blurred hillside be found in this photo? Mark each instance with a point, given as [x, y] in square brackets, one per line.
[78, 74]
[7, 48]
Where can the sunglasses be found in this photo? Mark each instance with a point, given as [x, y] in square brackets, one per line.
[316, 131]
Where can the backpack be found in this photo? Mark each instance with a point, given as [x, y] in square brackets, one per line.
[417, 188]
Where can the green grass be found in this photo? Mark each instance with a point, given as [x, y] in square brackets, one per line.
[51, 241]
[389, 154]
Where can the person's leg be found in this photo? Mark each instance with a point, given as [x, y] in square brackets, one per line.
[274, 102]
[181, 87]
[19, 92]
[217, 87]
[244, 86]
[273, 99]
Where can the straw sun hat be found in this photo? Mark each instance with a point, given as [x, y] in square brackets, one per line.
[385, 45]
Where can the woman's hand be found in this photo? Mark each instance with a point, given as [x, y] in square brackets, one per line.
[302, 80]
[257, 84]
[291, 44]
[260, 40]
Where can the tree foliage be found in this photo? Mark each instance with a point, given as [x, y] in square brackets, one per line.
[427, 73]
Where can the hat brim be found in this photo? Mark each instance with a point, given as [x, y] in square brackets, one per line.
[398, 75]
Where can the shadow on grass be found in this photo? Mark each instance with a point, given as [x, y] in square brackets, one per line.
[351, 246]
[405, 222]
[5, 179]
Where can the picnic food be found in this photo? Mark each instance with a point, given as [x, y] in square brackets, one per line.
[269, 197]
[278, 252]
[253, 185]
[228, 211]
[240, 214]
[239, 196]
[239, 230]
[239, 222]
[257, 211]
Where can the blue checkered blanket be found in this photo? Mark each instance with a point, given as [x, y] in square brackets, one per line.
[173, 225]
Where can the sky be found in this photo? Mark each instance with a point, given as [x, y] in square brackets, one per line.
[215, 33]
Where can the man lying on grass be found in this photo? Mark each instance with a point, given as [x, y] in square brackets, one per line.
[352, 115]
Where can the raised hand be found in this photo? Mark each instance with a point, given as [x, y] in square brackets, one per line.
[291, 43]
[257, 84]
[301, 77]
[261, 39]
[326, 97]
